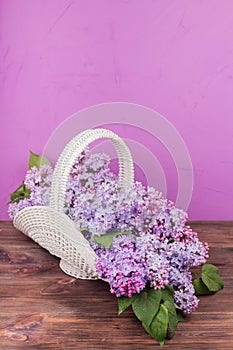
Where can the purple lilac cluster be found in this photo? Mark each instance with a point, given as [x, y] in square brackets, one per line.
[122, 267]
[159, 262]
[38, 181]
[160, 249]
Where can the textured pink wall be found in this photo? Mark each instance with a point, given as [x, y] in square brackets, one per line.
[174, 56]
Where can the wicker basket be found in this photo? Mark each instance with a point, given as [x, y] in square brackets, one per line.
[51, 228]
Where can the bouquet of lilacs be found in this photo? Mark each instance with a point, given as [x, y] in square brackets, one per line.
[145, 250]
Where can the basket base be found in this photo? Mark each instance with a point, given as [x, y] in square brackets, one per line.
[74, 272]
[57, 233]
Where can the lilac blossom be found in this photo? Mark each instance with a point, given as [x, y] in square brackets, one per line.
[186, 299]
[38, 181]
[122, 267]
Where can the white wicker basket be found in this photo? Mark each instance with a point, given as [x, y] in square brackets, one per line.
[51, 228]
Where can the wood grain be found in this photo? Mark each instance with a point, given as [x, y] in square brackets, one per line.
[42, 308]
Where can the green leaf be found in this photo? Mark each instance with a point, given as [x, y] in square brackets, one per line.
[172, 316]
[147, 328]
[146, 305]
[168, 294]
[83, 229]
[159, 325]
[211, 278]
[20, 193]
[200, 287]
[124, 303]
[37, 161]
[180, 315]
[106, 239]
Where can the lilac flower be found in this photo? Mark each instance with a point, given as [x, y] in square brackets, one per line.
[186, 299]
[122, 267]
[38, 181]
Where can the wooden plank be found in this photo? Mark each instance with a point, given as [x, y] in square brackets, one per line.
[42, 308]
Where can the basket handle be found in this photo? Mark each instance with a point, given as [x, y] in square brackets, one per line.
[71, 152]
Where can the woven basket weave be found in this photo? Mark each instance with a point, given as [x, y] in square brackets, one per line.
[51, 228]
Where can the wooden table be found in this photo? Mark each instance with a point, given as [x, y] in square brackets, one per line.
[42, 308]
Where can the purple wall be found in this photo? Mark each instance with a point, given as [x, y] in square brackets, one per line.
[174, 56]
